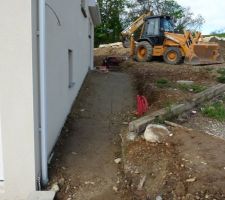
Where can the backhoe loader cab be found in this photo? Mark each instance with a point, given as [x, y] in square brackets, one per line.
[154, 28]
[158, 38]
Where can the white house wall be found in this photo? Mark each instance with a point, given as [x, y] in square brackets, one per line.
[67, 29]
[17, 100]
[19, 83]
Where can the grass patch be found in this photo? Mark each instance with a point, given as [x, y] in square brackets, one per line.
[163, 83]
[168, 104]
[192, 88]
[215, 110]
[221, 71]
[209, 69]
[221, 79]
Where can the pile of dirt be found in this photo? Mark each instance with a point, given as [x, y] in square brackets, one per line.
[222, 45]
[102, 53]
[190, 165]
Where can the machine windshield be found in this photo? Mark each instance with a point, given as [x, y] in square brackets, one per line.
[167, 25]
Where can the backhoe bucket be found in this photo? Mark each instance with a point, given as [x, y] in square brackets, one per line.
[204, 54]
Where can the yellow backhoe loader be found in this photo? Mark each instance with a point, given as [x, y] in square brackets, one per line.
[158, 38]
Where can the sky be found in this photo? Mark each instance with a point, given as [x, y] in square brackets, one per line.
[212, 11]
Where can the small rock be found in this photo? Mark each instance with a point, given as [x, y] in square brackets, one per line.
[115, 188]
[206, 196]
[69, 198]
[55, 187]
[82, 110]
[74, 153]
[191, 180]
[67, 189]
[137, 172]
[185, 82]
[61, 182]
[89, 183]
[194, 112]
[158, 198]
[131, 136]
[118, 160]
[142, 182]
[125, 123]
[156, 133]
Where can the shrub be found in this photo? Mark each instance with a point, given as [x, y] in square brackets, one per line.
[162, 83]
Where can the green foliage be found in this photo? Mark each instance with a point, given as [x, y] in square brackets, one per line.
[118, 14]
[221, 78]
[168, 105]
[222, 35]
[221, 71]
[215, 110]
[163, 83]
[111, 27]
[209, 69]
[192, 88]
[184, 17]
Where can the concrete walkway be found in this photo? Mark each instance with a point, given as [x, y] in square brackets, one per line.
[85, 154]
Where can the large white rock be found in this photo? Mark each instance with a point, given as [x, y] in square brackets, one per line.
[156, 133]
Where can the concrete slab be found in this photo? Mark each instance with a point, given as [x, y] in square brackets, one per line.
[42, 195]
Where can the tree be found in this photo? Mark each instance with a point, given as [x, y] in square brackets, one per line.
[187, 21]
[109, 30]
[184, 17]
[118, 14]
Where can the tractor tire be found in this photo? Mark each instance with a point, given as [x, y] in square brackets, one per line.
[143, 52]
[172, 56]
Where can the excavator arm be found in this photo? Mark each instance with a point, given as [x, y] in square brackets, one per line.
[127, 33]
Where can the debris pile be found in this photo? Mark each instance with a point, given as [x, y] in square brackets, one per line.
[221, 42]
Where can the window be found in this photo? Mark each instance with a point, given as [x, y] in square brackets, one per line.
[83, 7]
[152, 27]
[70, 68]
[167, 25]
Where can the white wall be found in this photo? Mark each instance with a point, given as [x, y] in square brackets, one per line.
[71, 34]
[19, 84]
[16, 99]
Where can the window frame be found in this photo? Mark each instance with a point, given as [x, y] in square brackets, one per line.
[71, 81]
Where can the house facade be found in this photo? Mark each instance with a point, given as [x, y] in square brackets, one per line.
[46, 50]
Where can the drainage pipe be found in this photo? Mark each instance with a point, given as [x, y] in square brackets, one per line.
[43, 93]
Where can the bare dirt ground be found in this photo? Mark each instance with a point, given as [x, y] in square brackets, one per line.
[146, 76]
[189, 165]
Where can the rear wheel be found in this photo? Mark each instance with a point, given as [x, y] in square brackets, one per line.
[172, 56]
[143, 52]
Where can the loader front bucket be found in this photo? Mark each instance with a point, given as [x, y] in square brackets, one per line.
[204, 54]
